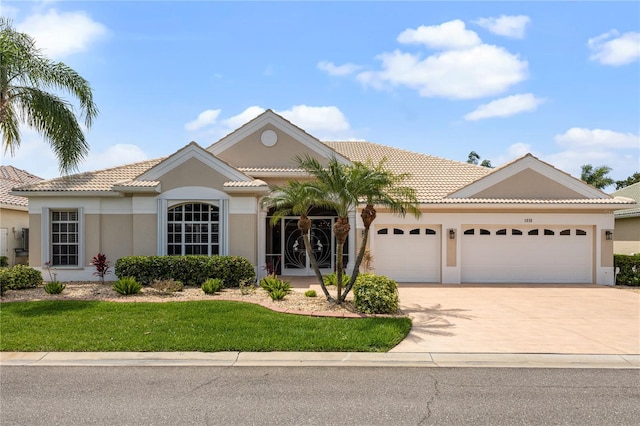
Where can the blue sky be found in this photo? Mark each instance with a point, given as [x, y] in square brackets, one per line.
[558, 79]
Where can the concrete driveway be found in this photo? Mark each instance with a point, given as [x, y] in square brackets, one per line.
[548, 319]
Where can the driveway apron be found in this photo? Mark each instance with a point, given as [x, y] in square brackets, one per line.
[553, 319]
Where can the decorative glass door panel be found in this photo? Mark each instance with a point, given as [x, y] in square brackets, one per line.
[295, 257]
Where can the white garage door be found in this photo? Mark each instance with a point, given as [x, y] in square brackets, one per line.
[407, 254]
[512, 254]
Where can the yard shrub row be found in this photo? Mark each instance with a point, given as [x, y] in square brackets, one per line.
[19, 277]
[629, 269]
[190, 270]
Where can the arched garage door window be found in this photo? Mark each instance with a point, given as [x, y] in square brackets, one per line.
[193, 228]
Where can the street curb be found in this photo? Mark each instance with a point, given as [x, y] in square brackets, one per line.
[317, 359]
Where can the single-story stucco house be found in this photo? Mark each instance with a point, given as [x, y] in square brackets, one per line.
[627, 223]
[524, 222]
[14, 215]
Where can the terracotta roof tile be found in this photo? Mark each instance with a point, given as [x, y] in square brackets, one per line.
[11, 177]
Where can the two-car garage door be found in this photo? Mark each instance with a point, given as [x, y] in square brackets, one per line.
[512, 254]
[408, 253]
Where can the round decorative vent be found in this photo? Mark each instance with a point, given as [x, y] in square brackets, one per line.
[269, 138]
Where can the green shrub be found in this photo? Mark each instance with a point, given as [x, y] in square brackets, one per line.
[127, 285]
[212, 285]
[4, 280]
[21, 276]
[191, 270]
[374, 294]
[310, 293]
[629, 269]
[247, 287]
[4, 261]
[167, 286]
[54, 287]
[277, 294]
[332, 279]
[271, 283]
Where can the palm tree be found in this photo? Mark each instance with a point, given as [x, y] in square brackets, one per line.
[25, 76]
[296, 198]
[383, 188]
[596, 177]
[345, 186]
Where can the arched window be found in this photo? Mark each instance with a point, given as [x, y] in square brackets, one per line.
[501, 232]
[469, 231]
[429, 231]
[516, 232]
[485, 232]
[193, 228]
[549, 232]
[533, 232]
[383, 231]
[565, 232]
[581, 232]
[415, 231]
[397, 231]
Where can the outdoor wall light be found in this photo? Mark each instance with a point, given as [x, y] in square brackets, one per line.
[452, 234]
[608, 235]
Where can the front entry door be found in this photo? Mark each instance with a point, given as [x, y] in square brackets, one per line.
[296, 261]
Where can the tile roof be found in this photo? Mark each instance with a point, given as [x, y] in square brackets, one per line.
[432, 177]
[96, 181]
[10, 177]
[633, 192]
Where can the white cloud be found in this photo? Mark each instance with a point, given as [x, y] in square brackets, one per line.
[205, 118]
[332, 69]
[508, 26]
[480, 71]
[114, 155]
[614, 49]
[245, 116]
[449, 35]
[315, 120]
[518, 150]
[505, 107]
[579, 137]
[62, 34]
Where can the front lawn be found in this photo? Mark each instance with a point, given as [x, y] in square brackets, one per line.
[206, 326]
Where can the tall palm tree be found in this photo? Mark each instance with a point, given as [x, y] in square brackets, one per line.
[26, 75]
[345, 186]
[597, 176]
[296, 198]
[381, 187]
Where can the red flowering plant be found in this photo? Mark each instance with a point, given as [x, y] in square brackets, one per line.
[102, 265]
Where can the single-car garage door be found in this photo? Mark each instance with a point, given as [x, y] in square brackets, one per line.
[407, 254]
[512, 254]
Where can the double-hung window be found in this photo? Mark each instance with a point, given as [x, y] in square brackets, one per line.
[65, 237]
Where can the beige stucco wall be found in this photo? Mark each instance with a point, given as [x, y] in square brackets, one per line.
[529, 184]
[192, 172]
[13, 221]
[626, 236]
[145, 234]
[251, 152]
[243, 234]
[35, 240]
[116, 236]
[606, 251]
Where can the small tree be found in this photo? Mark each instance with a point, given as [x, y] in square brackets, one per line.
[634, 178]
[102, 266]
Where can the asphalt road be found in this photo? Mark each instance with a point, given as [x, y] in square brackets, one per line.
[38, 395]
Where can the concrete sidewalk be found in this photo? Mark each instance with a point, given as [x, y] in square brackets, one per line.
[314, 359]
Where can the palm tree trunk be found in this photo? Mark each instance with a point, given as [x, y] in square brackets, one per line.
[368, 215]
[341, 230]
[304, 224]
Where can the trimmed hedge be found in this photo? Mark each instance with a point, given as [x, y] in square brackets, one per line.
[375, 294]
[629, 269]
[191, 270]
[19, 277]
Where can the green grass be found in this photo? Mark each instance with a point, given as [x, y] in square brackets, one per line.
[207, 326]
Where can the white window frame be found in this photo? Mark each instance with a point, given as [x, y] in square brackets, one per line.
[192, 194]
[46, 236]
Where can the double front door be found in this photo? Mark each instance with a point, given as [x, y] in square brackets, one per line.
[294, 257]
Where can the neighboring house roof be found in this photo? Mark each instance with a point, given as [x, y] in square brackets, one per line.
[633, 192]
[11, 177]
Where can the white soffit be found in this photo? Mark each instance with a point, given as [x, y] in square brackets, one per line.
[193, 150]
[271, 118]
[528, 162]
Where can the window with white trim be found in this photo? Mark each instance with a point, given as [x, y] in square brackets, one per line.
[193, 228]
[65, 237]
